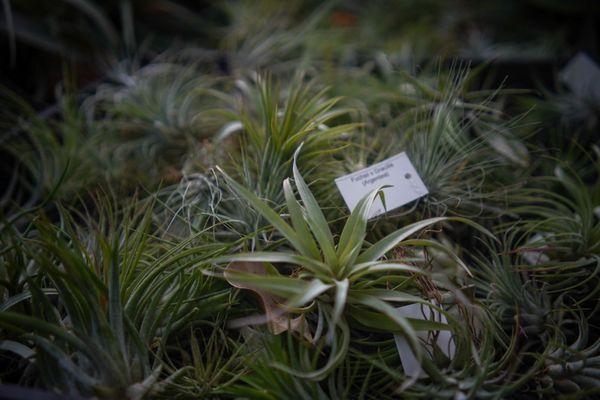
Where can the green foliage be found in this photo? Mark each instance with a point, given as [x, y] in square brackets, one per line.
[118, 296]
[155, 114]
[354, 378]
[457, 138]
[274, 123]
[341, 276]
[571, 368]
[99, 302]
[51, 154]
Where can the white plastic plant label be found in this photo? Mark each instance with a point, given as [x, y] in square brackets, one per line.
[444, 339]
[397, 172]
[582, 76]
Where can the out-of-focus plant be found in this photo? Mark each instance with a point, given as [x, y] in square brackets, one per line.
[48, 153]
[458, 139]
[269, 34]
[158, 117]
[566, 222]
[100, 302]
[355, 377]
[571, 360]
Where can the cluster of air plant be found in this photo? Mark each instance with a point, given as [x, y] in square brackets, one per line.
[94, 309]
[48, 154]
[457, 138]
[174, 231]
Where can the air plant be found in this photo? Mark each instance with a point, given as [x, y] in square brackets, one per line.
[264, 127]
[273, 122]
[559, 234]
[571, 368]
[50, 153]
[100, 303]
[269, 124]
[341, 278]
[266, 34]
[457, 138]
[519, 305]
[567, 222]
[110, 296]
[355, 377]
[205, 361]
[158, 116]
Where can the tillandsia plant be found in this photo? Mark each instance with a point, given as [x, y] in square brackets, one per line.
[266, 34]
[159, 117]
[559, 233]
[357, 376]
[99, 302]
[273, 122]
[567, 224]
[53, 151]
[457, 138]
[204, 362]
[346, 282]
[519, 305]
[266, 127]
[571, 368]
[265, 124]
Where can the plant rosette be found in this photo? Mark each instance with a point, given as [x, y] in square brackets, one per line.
[347, 281]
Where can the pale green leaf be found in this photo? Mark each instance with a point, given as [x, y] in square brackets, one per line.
[309, 246]
[315, 266]
[316, 220]
[270, 215]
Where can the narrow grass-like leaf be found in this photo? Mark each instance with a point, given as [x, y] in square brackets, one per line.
[310, 264]
[383, 323]
[26, 295]
[115, 308]
[315, 217]
[64, 361]
[354, 231]
[310, 248]
[359, 270]
[386, 309]
[270, 215]
[314, 289]
[341, 293]
[337, 353]
[17, 348]
[386, 244]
